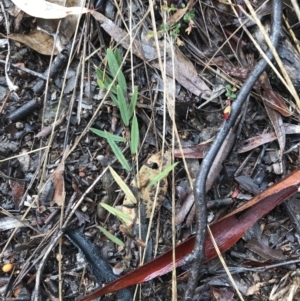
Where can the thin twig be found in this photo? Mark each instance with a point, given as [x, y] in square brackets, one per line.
[198, 253]
[24, 69]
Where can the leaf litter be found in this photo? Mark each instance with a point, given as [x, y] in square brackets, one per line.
[78, 180]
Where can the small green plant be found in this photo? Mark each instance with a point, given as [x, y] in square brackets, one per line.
[169, 9]
[173, 27]
[230, 92]
[189, 15]
[118, 93]
[126, 220]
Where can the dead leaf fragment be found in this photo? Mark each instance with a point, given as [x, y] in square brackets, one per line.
[59, 184]
[17, 189]
[147, 172]
[46, 10]
[185, 72]
[178, 15]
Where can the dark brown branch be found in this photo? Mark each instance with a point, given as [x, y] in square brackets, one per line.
[197, 256]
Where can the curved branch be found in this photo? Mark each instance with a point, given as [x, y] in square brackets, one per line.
[198, 253]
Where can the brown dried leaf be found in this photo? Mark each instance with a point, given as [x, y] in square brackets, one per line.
[59, 184]
[47, 130]
[17, 190]
[254, 142]
[144, 176]
[271, 98]
[176, 17]
[185, 72]
[184, 209]
[277, 124]
[264, 251]
[193, 152]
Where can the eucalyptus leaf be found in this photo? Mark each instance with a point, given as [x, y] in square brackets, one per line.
[117, 152]
[162, 175]
[104, 134]
[134, 137]
[111, 237]
[123, 106]
[123, 186]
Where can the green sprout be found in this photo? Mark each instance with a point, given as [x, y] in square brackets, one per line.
[230, 92]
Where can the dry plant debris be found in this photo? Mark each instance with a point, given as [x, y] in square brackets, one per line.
[190, 62]
[148, 194]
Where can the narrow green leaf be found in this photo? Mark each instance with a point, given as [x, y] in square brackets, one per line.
[114, 99]
[123, 186]
[118, 56]
[100, 73]
[133, 102]
[112, 62]
[104, 81]
[108, 83]
[111, 237]
[117, 152]
[150, 35]
[114, 67]
[123, 106]
[163, 174]
[104, 134]
[134, 137]
[119, 214]
[101, 84]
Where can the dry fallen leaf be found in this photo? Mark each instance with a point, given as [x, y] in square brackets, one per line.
[47, 10]
[185, 71]
[178, 15]
[277, 123]
[59, 184]
[17, 191]
[147, 194]
[41, 38]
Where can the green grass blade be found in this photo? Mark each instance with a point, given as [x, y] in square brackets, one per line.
[134, 137]
[118, 56]
[114, 99]
[101, 84]
[117, 152]
[123, 186]
[104, 134]
[114, 67]
[100, 73]
[163, 174]
[123, 106]
[133, 102]
[119, 214]
[111, 237]
[104, 81]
